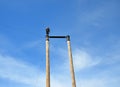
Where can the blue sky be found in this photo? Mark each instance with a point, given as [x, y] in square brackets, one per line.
[94, 29]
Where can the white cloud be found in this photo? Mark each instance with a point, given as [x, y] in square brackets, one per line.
[82, 60]
[20, 72]
[101, 79]
[56, 82]
[99, 82]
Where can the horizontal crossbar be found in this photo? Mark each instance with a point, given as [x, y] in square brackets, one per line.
[57, 36]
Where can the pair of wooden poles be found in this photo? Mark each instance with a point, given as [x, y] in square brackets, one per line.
[48, 62]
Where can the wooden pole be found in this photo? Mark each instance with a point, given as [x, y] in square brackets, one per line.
[47, 62]
[71, 62]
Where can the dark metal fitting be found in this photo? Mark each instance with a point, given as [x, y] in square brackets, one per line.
[47, 31]
[68, 38]
[47, 38]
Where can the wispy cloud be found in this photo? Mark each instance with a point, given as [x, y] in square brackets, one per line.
[105, 78]
[95, 82]
[18, 71]
[83, 59]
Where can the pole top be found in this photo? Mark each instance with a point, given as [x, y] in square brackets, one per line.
[68, 37]
[47, 30]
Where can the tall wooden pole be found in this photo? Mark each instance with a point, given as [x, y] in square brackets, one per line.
[47, 60]
[71, 62]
